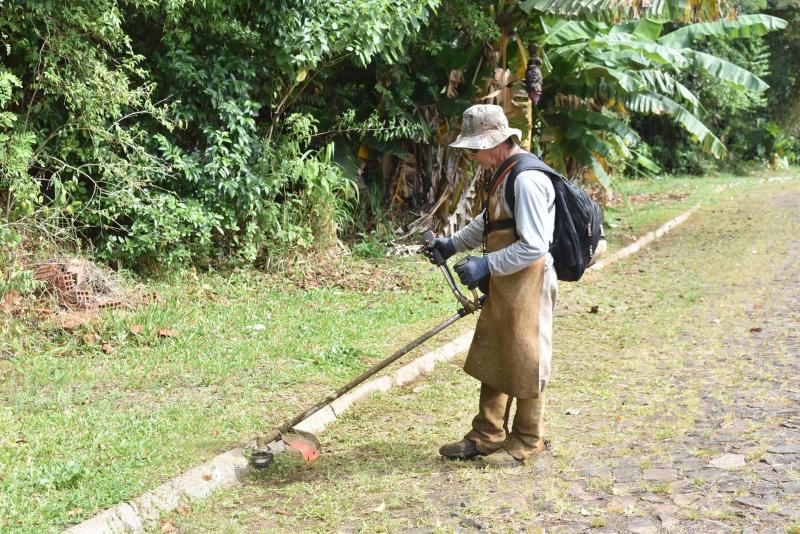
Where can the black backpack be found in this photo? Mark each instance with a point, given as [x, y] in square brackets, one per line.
[578, 222]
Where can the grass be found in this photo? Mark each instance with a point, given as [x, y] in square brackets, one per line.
[81, 430]
[648, 339]
[627, 219]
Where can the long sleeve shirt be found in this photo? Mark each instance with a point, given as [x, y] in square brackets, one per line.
[534, 214]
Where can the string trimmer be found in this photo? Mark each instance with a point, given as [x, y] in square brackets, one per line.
[262, 453]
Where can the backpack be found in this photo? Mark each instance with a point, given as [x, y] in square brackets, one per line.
[578, 221]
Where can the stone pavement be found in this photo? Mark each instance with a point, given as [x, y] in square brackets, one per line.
[738, 468]
[749, 480]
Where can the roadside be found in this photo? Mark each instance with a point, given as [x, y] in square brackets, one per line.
[83, 430]
[675, 407]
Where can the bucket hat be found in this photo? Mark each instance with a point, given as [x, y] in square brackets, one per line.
[484, 126]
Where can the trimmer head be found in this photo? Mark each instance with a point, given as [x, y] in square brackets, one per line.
[262, 453]
[305, 443]
[261, 459]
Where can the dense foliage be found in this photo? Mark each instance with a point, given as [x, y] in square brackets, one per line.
[158, 133]
[754, 126]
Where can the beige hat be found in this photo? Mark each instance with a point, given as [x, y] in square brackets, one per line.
[484, 126]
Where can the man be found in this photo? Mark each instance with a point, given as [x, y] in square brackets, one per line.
[511, 350]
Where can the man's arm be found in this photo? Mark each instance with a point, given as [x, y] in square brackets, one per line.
[534, 214]
[471, 236]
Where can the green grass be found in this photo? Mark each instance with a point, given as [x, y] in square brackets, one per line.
[627, 220]
[81, 430]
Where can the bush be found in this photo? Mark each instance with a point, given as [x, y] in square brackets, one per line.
[167, 132]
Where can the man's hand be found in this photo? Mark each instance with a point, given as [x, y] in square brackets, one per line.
[445, 247]
[472, 269]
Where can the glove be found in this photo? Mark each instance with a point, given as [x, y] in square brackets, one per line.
[471, 270]
[445, 247]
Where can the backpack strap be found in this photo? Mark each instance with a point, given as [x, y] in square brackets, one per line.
[528, 162]
[503, 169]
[521, 162]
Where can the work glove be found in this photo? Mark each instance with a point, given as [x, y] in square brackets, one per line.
[444, 245]
[471, 270]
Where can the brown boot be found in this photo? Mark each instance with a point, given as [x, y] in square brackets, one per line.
[500, 458]
[460, 450]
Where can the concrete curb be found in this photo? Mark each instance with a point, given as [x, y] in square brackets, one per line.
[633, 248]
[226, 469]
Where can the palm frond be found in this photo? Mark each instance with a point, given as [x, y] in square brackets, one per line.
[742, 26]
[609, 10]
[656, 104]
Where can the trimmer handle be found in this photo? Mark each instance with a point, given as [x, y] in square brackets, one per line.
[469, 306]
[428, 238]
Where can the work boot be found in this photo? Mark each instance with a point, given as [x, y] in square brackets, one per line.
[500, 458]
[460, 450]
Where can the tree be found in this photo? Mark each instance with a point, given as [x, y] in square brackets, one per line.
[596, 73]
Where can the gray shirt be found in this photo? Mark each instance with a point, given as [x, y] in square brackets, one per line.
[535, 215]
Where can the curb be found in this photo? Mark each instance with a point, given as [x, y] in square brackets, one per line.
[633, 248]
[226, 469]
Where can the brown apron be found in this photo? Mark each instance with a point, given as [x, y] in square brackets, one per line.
[505, 349]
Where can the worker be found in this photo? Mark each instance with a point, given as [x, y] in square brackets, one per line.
[511, 350]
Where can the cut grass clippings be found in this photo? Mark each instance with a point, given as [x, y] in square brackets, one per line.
[94, 417]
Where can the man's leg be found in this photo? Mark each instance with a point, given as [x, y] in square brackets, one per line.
[526, 438]
[487, 432]
[487, 427]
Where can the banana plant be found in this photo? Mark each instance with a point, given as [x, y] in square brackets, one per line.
[615, 10]
[602, 60]
[596, 73]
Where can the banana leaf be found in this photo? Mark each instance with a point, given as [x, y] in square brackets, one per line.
[742, 26]
[653, 103]
[725, 70]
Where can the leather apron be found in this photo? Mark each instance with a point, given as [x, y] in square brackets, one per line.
[505, 349]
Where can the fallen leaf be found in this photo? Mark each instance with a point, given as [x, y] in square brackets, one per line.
[69, 324]
[594, 309]
[108, 348]
[183, 509]
[167, 526]
[136, 329]
[90, 339]
[207, 477]
[756, 329]
[167, 332]
[380, 508]
[74, 512]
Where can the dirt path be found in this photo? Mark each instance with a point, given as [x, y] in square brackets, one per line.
[675, 408]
